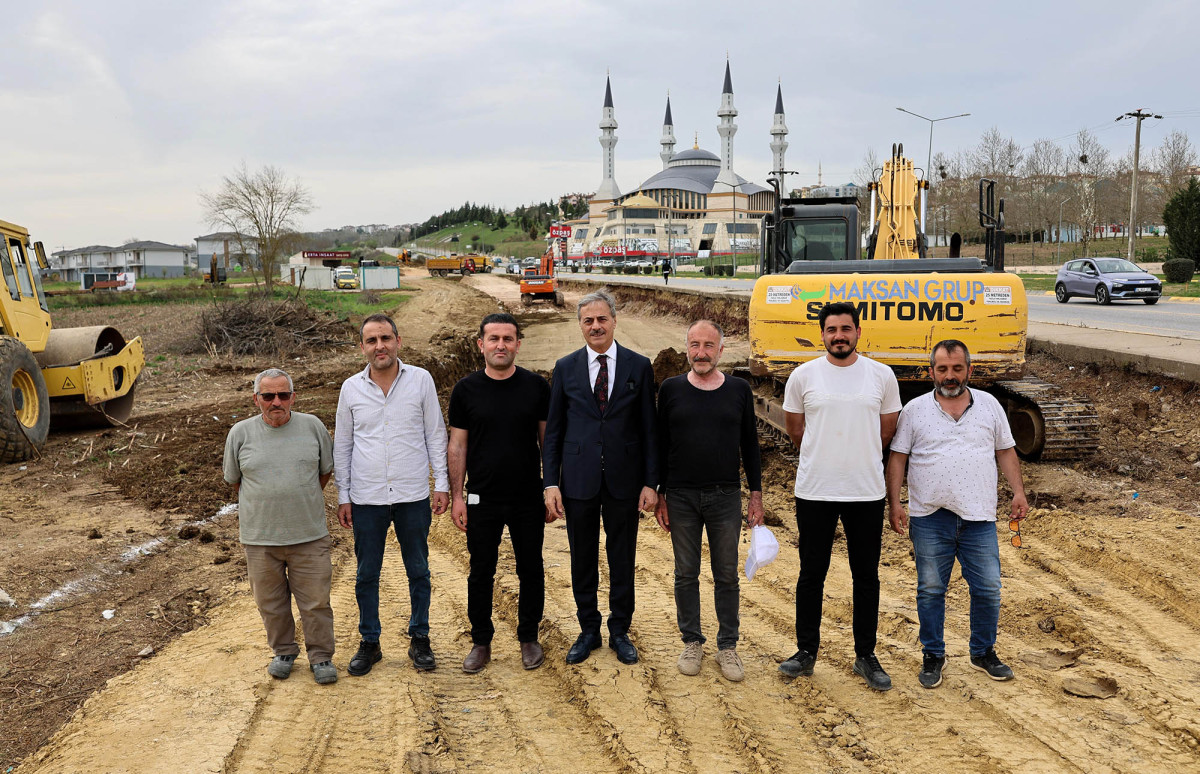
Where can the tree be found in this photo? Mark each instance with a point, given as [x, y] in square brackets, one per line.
[501, 222]
[1087, 165]
[262, 208]
[1173, 160]
[1182, 219]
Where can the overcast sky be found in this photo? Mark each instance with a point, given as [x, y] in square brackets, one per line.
[119, 113]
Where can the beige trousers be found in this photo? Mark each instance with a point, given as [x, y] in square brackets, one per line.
[303, 571]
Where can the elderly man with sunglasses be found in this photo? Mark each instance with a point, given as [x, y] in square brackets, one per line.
[952, 440]
[279, 463]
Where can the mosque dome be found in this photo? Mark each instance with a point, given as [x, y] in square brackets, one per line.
[696, 156]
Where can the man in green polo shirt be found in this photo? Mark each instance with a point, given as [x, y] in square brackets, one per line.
[278, 463]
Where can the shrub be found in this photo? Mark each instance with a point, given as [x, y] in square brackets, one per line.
[707, 270]
[630, 268]
[1150, 254]
[1181, 216]
[606, 269]
[1179, 270]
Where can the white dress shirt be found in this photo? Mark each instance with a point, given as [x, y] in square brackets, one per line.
[952, 462]
[385, 445]
[594, 366]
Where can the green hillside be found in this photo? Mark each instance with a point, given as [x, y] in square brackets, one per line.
[476, 236]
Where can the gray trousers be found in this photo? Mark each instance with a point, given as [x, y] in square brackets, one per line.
[279, 574]
[718, 510]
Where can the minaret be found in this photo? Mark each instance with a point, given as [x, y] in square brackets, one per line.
[779, 143]
[668, 136]
[608, 190]
[727, 128]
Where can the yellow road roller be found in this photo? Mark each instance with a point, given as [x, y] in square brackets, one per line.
[67, 378]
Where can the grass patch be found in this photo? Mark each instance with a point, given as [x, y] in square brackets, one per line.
[347, 306]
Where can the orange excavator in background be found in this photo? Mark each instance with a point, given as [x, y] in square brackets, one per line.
[538, 283]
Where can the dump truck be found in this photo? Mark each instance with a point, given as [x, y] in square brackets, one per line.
[53, 378]
[444, 266]
[907, 301]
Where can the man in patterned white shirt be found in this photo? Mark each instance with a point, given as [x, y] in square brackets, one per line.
[389, 434]
[952, 439]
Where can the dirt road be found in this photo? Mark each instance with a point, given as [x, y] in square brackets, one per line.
[1105, 593]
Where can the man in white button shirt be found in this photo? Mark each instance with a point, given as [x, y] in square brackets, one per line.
[952, 439]
[389, 434]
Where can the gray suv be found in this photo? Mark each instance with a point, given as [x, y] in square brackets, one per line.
[1106, 280]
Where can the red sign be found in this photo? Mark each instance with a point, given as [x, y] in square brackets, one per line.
[559, 232]
[328, 254]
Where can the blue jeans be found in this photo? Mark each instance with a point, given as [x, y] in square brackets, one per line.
[371, 522]
[938, 539]
[717, 510]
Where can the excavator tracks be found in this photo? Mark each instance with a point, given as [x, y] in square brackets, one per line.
[1047, 423]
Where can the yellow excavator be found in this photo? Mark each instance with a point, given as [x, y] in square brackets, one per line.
[71, 377]
[907, 302]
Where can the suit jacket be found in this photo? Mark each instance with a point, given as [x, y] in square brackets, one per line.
[582, 449]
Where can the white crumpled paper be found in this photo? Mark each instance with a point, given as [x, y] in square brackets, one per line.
[763, 550]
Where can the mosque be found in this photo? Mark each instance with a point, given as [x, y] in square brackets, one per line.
[697, 200]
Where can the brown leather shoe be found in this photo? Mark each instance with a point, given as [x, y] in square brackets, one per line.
[477, 659]
[532, 655]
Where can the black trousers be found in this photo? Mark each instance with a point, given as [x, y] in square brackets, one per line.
[620, 517]
[862, 522]
[526, 528]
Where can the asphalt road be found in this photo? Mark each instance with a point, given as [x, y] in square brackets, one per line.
[1179, 319]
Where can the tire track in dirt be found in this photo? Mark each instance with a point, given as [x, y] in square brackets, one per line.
[862, 729]
[536, 709]
[605, 698]
[355, 724]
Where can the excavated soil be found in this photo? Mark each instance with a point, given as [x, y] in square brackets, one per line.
[137, 646]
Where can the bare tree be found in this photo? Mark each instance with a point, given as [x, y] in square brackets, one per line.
[262, 208]
[996, 156]
[1172, 161]
[1087, 167]
[1042, 168]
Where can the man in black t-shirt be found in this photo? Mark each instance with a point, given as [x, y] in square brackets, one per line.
[497, 423]
[706, 433]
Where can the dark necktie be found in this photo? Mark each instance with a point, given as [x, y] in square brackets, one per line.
[602, 383]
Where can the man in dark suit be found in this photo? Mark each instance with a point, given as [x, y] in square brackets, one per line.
[600, 461]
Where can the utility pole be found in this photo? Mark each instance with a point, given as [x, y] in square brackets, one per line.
[1140, 115]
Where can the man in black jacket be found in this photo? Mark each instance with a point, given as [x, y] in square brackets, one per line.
[600, 461]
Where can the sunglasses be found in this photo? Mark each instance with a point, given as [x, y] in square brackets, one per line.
[269, 397]
[1015, 526]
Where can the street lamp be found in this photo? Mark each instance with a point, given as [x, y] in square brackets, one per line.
[932, 121]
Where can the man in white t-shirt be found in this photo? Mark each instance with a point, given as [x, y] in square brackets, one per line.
[952, 439]
[841, 412]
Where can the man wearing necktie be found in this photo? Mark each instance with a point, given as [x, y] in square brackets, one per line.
[600, 464]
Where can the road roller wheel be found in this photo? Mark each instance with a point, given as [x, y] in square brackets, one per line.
[24, 402]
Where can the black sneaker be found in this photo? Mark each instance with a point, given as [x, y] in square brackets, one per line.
[989, 662]
[421, 654]
[367, 656]
[869, 669]
[930, 675]
[801, 663]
